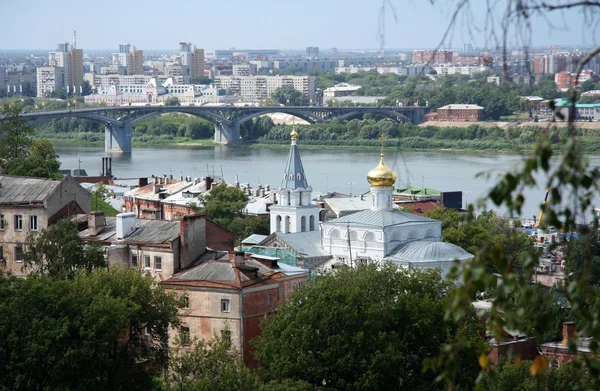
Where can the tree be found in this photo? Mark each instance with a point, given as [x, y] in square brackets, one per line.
[86, 88]
[289, 96]
[16, 136]
[57, 252]
[371, 327]
[106, 330]
[208, 365]
[224, 203]
[100, 192]
[201, 80]
[172, 101]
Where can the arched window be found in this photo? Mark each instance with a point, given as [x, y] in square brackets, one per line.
[335, 234]
[278, 225]
[303, 224]
[370, 237]
[353, 235]
[396, 237]
[413, 235]
[311, 226]
[430, 233]
[287, 225]
[289, 198]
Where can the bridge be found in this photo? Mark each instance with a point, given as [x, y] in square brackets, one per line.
[118, 121]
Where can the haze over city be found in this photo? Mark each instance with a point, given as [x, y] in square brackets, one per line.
[263, 23]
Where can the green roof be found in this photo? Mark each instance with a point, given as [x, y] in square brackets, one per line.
[565, 102]
[417, 190]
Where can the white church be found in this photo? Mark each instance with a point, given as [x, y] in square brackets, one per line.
[380, 233]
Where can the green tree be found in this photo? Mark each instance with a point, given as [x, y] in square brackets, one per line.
[289, 96]
[106, 330]
[223, 204]
[99, 192]
[212, 365]
[576, 252]
[201, 80]
[86, 88]
[57, 252]
[366, 328]
[16, 136]
[172, 101]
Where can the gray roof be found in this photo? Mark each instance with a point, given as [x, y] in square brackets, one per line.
[24, 190]
[254, 239]
[147, 231]
[294, 177]
[221, 270]
[382, 218]
[306, 244]
[429, 251]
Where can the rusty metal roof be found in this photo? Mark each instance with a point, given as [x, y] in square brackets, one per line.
[147, 192]
[155, 232]
[16, 190]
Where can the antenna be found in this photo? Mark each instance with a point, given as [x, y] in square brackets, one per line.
[74, 39]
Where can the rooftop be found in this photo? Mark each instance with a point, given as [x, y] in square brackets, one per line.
[383, 218]
[148, 192]
[461, 107]
[16, 190]
[418, 251]
[155, 232]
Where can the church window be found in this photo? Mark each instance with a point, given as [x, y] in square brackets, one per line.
[303, 224]
[335, 234]
[353, 235]
[278, 224]
[287, 225]
[289, 198]
[370, 237]
[311, 226]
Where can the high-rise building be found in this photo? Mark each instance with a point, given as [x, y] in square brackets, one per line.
[74, 69]
[136, 63]
[70, 63]
[257, 88]
[129, 58]
[49, 80]
[125, 48]
[312, 51]
[191, 60]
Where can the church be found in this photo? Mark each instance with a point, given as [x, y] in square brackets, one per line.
[380, 233]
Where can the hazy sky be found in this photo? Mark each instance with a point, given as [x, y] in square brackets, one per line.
[247, 24]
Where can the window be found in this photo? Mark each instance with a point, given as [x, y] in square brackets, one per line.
[185, 301]
[269, 300]
[184, 335]
[19, 254]
[158, 263]
[18, 223]
[1, 254]
[134, 260]
[147, 261]
[33, 223]
[224, 305]
[2, 223]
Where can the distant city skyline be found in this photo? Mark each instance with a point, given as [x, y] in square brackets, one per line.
[353, 24]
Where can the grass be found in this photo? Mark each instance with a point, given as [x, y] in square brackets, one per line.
[515, 117]
[101, 205]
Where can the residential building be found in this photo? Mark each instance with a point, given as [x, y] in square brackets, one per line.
[191, 61]
[131, 59]
[243, 69]
[557, 353]
[249, 53]
[450, 69]
[407, 70]
[312, 51]
[583, 111]
[235, 291]
[258, 88]
[458, 113]
[566, 80]
[158, 248]
[432, 56]
[71, 62]
[30, 205]
[49, 79]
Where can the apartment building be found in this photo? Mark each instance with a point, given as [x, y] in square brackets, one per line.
[49, 80]
[432, 56]
[29, 205]
[257, 88]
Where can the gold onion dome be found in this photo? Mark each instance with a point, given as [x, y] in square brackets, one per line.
[294, 134]
[381, 176]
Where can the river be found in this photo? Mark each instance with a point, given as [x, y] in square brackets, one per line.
[338, 170]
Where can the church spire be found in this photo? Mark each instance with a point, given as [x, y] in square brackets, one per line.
[294, 177]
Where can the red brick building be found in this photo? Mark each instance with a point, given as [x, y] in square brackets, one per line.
[432, 56]
[557, 353]
[458, 59]
[235, 291]
[460, 113]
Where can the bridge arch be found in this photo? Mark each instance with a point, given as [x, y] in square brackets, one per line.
[101, 119]
[393, 115]
[308, 117]
[214, 118]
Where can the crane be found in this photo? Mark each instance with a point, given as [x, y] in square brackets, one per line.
[537, 224]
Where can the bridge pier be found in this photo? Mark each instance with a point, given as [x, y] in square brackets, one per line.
[117, 138]
[227, 133]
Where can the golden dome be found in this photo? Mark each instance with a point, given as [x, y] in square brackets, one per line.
[294, 134]
[381, 176]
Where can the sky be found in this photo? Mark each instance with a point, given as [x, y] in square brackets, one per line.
[258, 24]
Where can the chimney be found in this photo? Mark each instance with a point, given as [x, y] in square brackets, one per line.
[96, 221]
[170, 177]
[196, 181]
[180, 178]
[237, 258]
[125, 224]
[208, 183]
[157, 188]
[142, 182]
[568, 331]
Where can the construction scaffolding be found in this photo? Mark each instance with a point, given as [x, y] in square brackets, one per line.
[285, 256]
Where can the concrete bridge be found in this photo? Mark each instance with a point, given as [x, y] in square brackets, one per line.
[118, 121]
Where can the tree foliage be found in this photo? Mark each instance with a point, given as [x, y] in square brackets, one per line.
[366, 328]
[57, 252]
[106, 330]
[289, 96]
[19, 154]
[224, 203]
